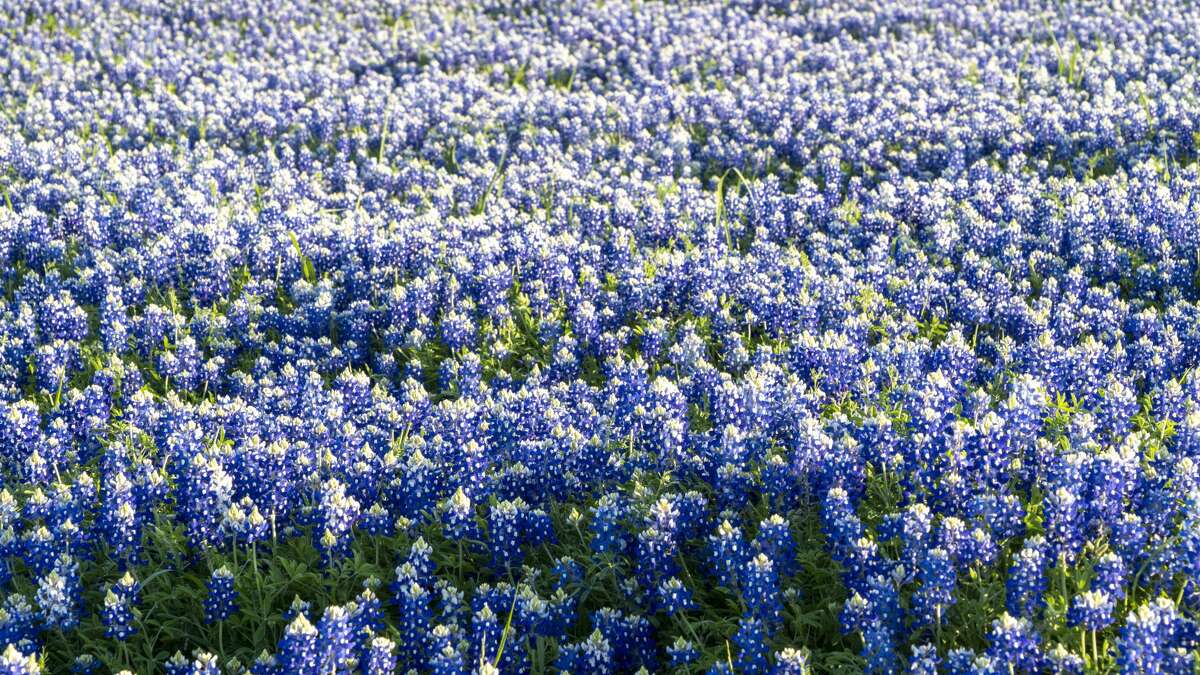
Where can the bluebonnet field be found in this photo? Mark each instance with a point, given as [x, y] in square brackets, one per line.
[526, 337]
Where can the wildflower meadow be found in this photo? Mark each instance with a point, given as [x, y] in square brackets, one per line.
[599, 336]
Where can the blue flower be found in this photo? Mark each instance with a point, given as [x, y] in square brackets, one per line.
[459, 517]
[1026, 585]
[118, 617]
[761, 591]
[791, 662]
[1155, 639]
[298, 649]
[381, 659]
[752, 648]
[924, 660]
[1091, 610]
[60, 595]
[1013, 640]
[221, 602]
[682, 652]
[506, 533]
[936, 593]
[592, 656]
[674, 597]
[16, 663]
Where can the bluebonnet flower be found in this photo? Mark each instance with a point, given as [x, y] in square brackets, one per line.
[246, 522]
[1063, 509]
[963, 661]
[446, 659]
[1061, 661]
[506, 533]
[417, 495]
[18, 620]
[376, 521]
[416, 624]
[118, 617]
[656, 553]
[778, 482]
[539, 528]
[221, 602]
[203, 486]
[459, 517]
[452, 611]
[760, 589]
[752, 648]
[1091, 610]
[775, 540]
[264, 664]
[727, 553]
[936, 593]
[60, 595]
[879, 648]
[85, 664]
[366, 612]
[1026, 585]
[1110, 576]
[40, 550]
[606, 525]
[924, 660]
[630, 638]
[592, 656]
[791, 662]
[334, 519]
[178, 665]
[14, 662]
[841, 522]
[566, 571]
[674, 597]
[380, 657]
[119, 523]
[337, 641]
[299, 647]
[299, 607]
[1012, 640]
[916, 526]
[1129, 538]
[62, 318]
[1152, 640]
[485, 635]
[682, 652]
[420, 557]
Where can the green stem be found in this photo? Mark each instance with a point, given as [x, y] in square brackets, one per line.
[937, 627]
[507, 628]
[254, 564]
[691, 631]
[461, 570]
[1062, 567]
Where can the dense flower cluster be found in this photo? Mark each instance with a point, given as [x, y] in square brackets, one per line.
[511, 336]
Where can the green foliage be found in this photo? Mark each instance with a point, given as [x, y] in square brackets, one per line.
[306, 267]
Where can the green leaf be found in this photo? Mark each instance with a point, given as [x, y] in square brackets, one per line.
[306, 266]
